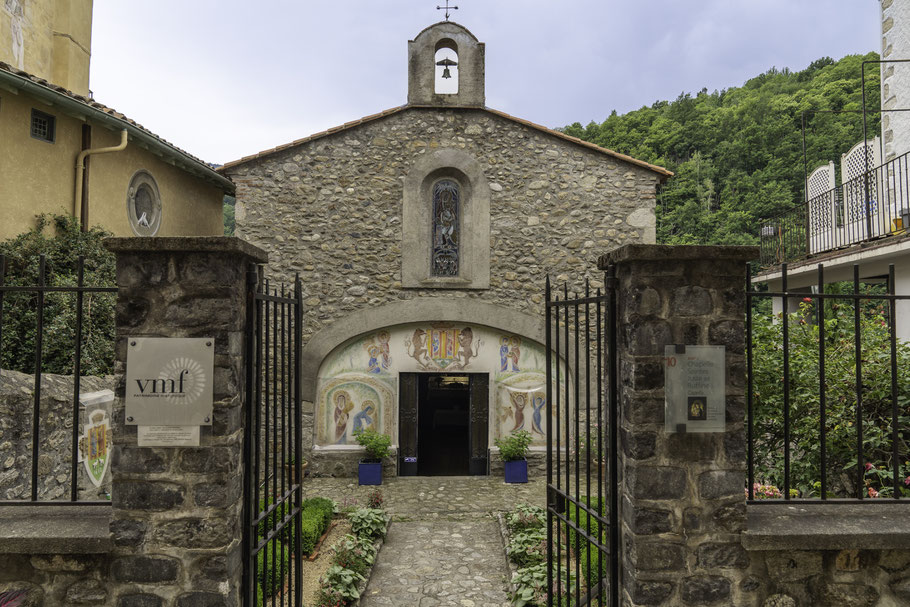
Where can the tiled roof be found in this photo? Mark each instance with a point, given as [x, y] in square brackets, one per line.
[15, 78]
[662, 172]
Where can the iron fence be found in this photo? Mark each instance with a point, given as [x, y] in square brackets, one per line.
[17, 301]
[272, 445]
[582, 435]
[873, 205]
[828, 394]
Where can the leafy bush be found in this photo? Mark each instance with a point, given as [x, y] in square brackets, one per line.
[526, 517]
[339, 583]
[531, 586]
[354, 553]
[376, 444]
[515, 446]
[272, 564]
[528, 547]
[315, 516]
[840, 392]
[374, 500]
[61, 251]
[369, 523]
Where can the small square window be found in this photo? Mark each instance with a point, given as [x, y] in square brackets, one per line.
[44, 126]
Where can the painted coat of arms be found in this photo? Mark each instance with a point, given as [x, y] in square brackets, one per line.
[441, 347]
[95, 446]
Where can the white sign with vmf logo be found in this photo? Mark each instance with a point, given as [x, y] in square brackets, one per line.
[169, 381]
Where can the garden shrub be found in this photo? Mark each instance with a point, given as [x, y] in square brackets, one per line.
[354, 553]
[526, 517]
[528, 547]
[531, 586]
[840, 392]
[315, 516]
[272, 564]
[369, 523]
[61, 251]
[337, 584]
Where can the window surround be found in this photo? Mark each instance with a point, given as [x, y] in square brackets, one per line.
[474, 222]
[50, 126]
[144, 180]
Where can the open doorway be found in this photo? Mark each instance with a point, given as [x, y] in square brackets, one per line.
[443, 424]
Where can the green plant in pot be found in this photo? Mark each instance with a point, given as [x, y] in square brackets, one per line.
[369, 471]
[513, 450]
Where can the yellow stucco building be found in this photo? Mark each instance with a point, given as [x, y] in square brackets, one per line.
[62, 152]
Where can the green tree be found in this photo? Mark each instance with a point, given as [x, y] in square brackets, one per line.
[60, 240]
[737, 154]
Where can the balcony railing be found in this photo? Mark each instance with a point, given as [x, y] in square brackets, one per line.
[872, 206]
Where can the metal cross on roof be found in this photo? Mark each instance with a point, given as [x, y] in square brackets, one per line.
[447, 9]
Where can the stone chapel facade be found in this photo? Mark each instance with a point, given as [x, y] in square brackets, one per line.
[423, 235]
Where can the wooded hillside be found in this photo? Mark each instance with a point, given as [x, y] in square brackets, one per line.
[738, 153]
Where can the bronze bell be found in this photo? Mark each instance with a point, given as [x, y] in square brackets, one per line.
[446, 73]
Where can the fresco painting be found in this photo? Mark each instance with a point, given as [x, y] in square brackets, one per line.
[357, 386]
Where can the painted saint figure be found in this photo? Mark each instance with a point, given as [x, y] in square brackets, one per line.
[383, 338]
[343, 407]
[538, 401]
[515, 351]
[362, 420]
[519, 400]
[373, 364]
[504, 354]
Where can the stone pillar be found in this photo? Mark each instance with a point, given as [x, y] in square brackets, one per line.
[176, 520]
[682, 498]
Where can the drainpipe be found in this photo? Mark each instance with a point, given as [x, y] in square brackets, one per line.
[78, 211]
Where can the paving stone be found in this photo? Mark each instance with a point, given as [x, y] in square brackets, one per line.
[444, 548]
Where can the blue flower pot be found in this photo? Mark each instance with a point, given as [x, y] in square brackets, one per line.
[517, 471]
[369, 473]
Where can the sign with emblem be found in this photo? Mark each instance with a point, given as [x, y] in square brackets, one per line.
[95, 446]
[169, 381]
[695, 388]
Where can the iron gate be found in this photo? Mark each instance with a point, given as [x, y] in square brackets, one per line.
[582, 527]
[272, 452]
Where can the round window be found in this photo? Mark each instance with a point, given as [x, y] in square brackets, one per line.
[143, 204]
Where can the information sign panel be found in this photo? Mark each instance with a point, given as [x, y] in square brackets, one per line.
[169, 381]
[694, 388]
[168, 436]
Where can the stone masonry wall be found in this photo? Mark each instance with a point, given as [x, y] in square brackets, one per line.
[683, 508]
[176, 520]
[829, 578]
[55, 427]
[331, 209]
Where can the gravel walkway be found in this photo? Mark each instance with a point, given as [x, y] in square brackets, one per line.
[444, 547]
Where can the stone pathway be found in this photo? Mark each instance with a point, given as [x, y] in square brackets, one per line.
[444, 547]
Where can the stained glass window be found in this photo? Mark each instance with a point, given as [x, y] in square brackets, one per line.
[444, 260]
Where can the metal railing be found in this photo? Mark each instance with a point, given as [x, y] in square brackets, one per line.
[871, 206]
[827, 394]
[18, 299]
[272, 448]
[582, 396]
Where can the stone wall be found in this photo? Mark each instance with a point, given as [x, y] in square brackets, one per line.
[330, 208]
[55, 433]
[836, 578]
[52, 580]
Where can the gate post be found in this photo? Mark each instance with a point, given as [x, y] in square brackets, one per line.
[176, 520]
[682, 495]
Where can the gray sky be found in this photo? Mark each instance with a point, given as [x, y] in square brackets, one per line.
[228, 78]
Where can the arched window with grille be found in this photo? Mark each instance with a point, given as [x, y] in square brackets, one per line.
[446, 228]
